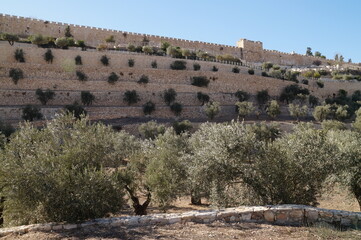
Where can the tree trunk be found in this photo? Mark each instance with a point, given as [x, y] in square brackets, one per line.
[196, 199]
[139, 209]
[356, 189]
[2, 200]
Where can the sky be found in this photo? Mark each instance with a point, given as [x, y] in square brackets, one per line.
[327, 26]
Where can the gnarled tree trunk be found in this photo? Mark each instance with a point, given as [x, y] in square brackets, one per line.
[139, 209]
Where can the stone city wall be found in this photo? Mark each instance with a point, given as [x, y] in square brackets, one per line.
[294, 215]
[94, 36]
[251, 51]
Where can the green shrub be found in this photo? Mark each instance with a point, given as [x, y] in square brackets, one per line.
[251, 71]
[242, 95]
[202, 97]
[102, 47]
[148, 108]
[169, 96]
[322, 112]
[11, 38]
[151, 129]
[267, 66]
[328, 125]
[304, 81]
[183, 126]
[67, 32]
[19, 55]
[131, 97]
[6, 129]
[290, 76]
[312, 100]
[174, 52]
[164, 46]
[176, 108]
[62, 42]
[276, 67]
[81, 76]
[178, 65]
[39, 39]
[276, 74]
[143, 79]
[131, 62]
[244, 109]
[154, 64]
[317, 62]
[212, 109]
[16, 74]
[147, 50]
[265, 132]
[48, 56]
[214, 69]
[290, 92]
[87, 98]
[320, 84]
[200, 81]
[78, 60]
[104, 60]
[262, 97]
[273, 109]
[61, 172]
[264, 74]
[110, 39]
[235, 70]
[131, 48]
[138, 49]
[76, 110]
[297, 110]
[228, 58]
[113, 77]
[30, 113]
[81, 44]
[44, 96]
[196, 67]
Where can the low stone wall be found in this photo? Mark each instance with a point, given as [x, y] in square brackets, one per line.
[298, 215]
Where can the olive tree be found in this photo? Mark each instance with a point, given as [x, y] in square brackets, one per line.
[156, 172]
[212, 109]
[297, 165]
[349, 167]
[151, 129]
[273, 109]
[244, 108]
[62, 171]
[322, 112]
[297, 110]
[218, 152]
[11, 38]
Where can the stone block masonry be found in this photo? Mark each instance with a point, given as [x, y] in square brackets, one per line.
[251, 51]
[61, 78]
[294, 215]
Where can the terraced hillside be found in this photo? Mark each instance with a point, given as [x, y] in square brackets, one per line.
[60, 77]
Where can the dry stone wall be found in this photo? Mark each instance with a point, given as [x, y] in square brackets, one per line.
[294, 215]
[251, 51]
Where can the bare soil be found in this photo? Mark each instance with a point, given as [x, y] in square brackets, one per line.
[190, 231]
[336, 198]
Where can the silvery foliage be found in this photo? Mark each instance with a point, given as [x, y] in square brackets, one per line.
[220, 153]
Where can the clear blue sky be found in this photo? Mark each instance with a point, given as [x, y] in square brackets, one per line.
[328, 26]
